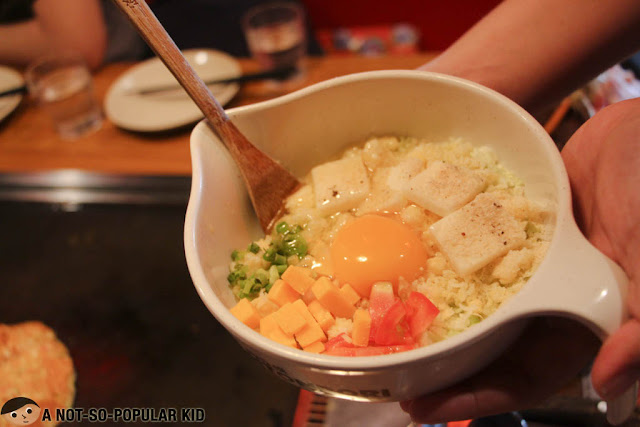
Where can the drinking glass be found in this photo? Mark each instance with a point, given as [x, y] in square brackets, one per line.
[63, 86]
[276, 35]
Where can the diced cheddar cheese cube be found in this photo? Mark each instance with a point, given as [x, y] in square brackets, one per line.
[246, 313]
[299, 278]
[330, 297]
[311, 332]
[290, 319]
[361, 327]
[308, 297]
[268, 324]
[349, 294]
[316, 347]
[442, 187]
[340, 185]
[270, 329]
[477, 234]
[322, 315]
[303, 310]
[281, 293]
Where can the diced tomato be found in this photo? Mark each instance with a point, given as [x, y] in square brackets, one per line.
[394, 328]
[337, 342]
[420, 313]
[369, 351]
[380, 300]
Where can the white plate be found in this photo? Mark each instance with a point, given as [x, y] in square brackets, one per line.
[169, 109]
[9, 79]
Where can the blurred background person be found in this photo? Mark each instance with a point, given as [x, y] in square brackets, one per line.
[101, 33]
[95, 29]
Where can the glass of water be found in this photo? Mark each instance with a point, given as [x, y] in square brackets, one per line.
[63, 86]
[276, 35]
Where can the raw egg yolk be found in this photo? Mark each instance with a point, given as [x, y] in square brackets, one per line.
[375, 248]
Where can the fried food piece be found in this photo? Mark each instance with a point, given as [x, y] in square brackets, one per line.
[35, 364]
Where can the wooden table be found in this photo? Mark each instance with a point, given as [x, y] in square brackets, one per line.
[28, 142]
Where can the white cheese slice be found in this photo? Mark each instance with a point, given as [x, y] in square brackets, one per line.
[399, 175]
[388, 195]
[477, 234]
[340, 185]
[382, 200]
[442, 187]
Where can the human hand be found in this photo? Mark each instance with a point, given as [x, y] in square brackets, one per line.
[603, 162]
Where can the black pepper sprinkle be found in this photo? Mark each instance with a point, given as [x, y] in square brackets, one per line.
[335, 193]
[504, 243]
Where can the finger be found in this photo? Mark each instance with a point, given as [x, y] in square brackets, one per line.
[539, 363]
[617, 365]
[461, 403]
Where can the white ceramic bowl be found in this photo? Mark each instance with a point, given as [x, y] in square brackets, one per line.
[313, 125]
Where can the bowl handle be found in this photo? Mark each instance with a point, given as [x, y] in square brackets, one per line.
[588, 287]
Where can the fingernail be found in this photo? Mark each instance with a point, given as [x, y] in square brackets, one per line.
[618, 384]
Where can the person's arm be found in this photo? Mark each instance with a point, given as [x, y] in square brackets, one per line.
[538, 51]
[58, 24]
[31, 44]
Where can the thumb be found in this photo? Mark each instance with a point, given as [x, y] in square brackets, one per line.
[617, 365]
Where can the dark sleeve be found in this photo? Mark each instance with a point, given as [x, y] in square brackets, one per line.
[13, 11]
[123, 41]
[214, 24]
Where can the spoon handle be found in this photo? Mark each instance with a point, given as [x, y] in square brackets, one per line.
[267, 181]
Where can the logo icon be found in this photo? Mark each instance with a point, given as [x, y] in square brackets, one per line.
[20, 411]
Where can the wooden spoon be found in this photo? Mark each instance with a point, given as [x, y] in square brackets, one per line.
[267, 181]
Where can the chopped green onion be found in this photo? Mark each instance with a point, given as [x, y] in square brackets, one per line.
[273, 275]
[473, 319]
[280, 260]
[287, 247]
[282, 228]
[248, 285]
[262, 276]
[239, 272]
[269, 255]
[236, 255]
[295, 246]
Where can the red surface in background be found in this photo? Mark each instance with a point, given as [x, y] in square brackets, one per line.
[440, 22]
